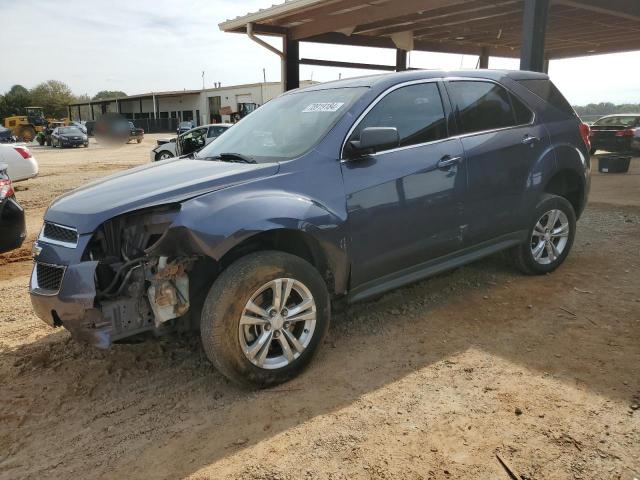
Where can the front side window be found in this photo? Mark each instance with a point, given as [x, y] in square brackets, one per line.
[415, 110]
[480, 106]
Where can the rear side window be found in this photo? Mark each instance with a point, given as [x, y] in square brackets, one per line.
[215, 131]
[547, 91]
[415, 110]
[618, 121]
[521, 111]
[481, 106]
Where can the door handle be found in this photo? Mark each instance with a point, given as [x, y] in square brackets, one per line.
[448, 161]
[529, 139]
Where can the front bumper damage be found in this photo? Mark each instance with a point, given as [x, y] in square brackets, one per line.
[72, 306]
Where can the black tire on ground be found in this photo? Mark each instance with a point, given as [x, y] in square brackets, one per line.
[592, 150]
[139, 140]
[522, 255]
[166, 155]
[225, 303]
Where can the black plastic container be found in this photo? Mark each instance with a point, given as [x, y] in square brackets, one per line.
[613, 163]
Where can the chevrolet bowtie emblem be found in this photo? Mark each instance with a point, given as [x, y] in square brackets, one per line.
[36, 249]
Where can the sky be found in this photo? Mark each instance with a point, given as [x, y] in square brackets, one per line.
[156, 45]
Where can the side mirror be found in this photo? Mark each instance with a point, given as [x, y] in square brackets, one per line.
[374, 139]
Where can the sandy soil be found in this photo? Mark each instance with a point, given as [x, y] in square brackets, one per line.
[429, 382]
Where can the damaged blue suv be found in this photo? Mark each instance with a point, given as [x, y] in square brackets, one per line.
[326, 195]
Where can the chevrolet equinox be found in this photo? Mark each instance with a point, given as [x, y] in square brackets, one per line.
[326, 195]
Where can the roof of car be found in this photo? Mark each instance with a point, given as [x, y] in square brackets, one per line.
[621, 115]
[399, 77]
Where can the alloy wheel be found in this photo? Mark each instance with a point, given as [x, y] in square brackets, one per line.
[277, 323]
[550, 236]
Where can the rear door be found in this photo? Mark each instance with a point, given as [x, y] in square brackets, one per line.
[501, 142]
[404, 204]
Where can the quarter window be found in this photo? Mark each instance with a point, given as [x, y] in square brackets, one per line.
[485, 106]
[415, 110]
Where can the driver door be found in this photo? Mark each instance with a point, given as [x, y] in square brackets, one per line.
[191, 141]
[405, 204]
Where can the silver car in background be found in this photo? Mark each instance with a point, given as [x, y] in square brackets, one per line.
[190, 141]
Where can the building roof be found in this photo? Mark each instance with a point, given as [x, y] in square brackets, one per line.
[575, 27]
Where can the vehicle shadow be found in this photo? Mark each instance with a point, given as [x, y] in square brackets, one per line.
[159, 410]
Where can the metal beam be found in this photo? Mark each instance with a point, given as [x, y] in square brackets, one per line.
[483, 61]
[534, 27]
[629, 9]
[401, 60]
[291, 63]
[334, 63]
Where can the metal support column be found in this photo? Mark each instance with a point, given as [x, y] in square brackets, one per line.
[401, 60]
[69, 109]
[291, 64]
[483, 62]
[534, 28]
[79, 114]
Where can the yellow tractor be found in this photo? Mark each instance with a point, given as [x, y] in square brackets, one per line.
[26, 126]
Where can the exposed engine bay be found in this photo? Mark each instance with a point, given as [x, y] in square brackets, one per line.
[138, 288]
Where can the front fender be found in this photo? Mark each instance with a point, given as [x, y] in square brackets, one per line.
[213, 224]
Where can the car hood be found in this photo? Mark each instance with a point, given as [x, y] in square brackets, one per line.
[158, 183]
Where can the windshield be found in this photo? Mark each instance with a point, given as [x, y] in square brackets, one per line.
[185, 125]
[285, 127]
[70, 131]
[625, 121]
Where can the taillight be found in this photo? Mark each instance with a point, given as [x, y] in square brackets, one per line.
[6, 188]
[26, 154]
[585, 132]
[142, 130]
[627, 132]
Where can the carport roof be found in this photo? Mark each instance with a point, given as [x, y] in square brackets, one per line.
[575, 27]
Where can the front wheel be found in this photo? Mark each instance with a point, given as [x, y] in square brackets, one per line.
[164, 156]
[549, 238]
[264, 318]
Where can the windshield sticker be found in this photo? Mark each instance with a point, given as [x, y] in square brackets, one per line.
[323, 107]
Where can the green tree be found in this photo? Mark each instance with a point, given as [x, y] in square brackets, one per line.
[108, 94]
[53, 96]
[15, 101]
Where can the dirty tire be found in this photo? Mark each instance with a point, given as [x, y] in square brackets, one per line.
[139, 140]
[225, 303]
[522, 256]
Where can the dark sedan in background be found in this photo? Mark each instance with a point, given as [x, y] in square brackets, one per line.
[68, 137]
[616, 133]
[12, 223]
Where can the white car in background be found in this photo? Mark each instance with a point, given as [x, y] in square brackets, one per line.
[21, 164]
[190, 141]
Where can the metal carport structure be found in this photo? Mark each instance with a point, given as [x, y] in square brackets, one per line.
[534, 30]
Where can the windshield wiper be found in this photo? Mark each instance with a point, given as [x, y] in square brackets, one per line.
[230, 157]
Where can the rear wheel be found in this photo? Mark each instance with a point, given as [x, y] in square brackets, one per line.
[264, 318]
[550, 237]
[139, 140]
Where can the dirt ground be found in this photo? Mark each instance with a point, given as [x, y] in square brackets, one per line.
[433, 381]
